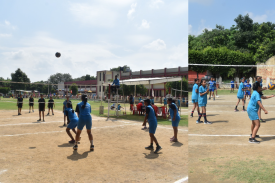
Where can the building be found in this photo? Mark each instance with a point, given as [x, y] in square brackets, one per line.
[267, 72]
[108, 76]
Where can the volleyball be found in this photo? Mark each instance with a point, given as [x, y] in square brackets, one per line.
[271, 86]
[57, 54]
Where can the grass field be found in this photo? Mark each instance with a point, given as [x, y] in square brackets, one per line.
[10, 104]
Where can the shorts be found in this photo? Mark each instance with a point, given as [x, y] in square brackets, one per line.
[19, 106]
[85, 122]
[175, 123]
[240, 97]
[50, 107]
[152, 128]
[41, 109]
[202, 105]
[31, 104]
[72, 124]
[247, 93]
[232, 86]
[194, 101]
[215, 88]
[253, 115]
[211, 90]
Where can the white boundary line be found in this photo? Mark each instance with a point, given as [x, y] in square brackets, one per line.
[205, 135]
[3, 171]
[182, 180]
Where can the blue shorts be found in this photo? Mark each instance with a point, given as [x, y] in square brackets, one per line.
[175, 123]
[253, 115]
[202, 105]
[210, 89]
[72, 124]
[247, 93]
[194, 101]
[232, 86]
[84, 122]
[240, 97]
[152, 128]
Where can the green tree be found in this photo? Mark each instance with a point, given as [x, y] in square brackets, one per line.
[59, 77]
[125, 68]
[177, 85]
[74, 89]
[19, 76]
[5, 90]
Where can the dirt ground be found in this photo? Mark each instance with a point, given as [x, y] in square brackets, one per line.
[212, 146]
[40, 152]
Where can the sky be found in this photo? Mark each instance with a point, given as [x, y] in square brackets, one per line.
[91, 35]
[209, 13]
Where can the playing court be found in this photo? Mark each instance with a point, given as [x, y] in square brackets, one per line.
[220, 152]
[40, 152]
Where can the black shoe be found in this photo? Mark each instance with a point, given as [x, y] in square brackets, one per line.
[18, 114]
[92, 148]
[39, 120]
[157, 149]
[75, 147]
[29, 111]
[53, 113]
[257, 136]
[48, 114]
[254, 141]
[149, 147]
[191, 116]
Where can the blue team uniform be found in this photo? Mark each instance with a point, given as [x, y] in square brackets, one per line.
[240, 93]
[214, 85]
[140, 99]
[248, 91]
[232, 84]
[118, 107]
[65, 105]
[195, 96]
[172, 107]
[73, 118]
[85, 117]
[253, 106]
[152, 120]
[116, 82]
[165, 101]
[202, 99]
[211, 86]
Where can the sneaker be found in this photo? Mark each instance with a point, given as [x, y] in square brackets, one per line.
[29, 111]
[43, 120]
[207, 123]
[257, 136]
[32, 110]
[217, 96]
[174, 140]
[157, 149]
[92, 148]
[191, 116]
[48, 114]
[144, 128]
[150, 147]
[254, 141]
[263, 121]
[53, 113]
[39, 120]
[236, 110]
[244, 110]
[213, 98]
[75, 147]
[198, 122]
[64, 125]
[18, 114]
[72, 141]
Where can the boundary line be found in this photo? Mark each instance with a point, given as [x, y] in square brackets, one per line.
[182, 180]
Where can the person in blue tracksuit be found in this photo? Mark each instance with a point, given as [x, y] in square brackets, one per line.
[73, 121]
[212, 88]
[150, 116]
[83, 110]
[175, 118]
[240, 94]
[195, 97]
[232, 86]
[115, 84]
[203, 91]
[252, 110]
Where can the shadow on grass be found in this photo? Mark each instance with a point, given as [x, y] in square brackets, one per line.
[76, 156]
[151, 155]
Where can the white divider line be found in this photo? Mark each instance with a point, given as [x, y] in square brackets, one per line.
[3, 171]
[182, 180]
[206, 135]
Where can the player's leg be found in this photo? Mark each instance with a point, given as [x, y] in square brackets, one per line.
[90, 135]
[77, 138]
[39, 116]
[243, 104]
[43, 115]
[193, 109]
[70, 135]
[254, 131]
[64, 120]
[52, 112]
[237, 105]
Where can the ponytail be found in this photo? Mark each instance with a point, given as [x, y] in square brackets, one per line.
[84, 99]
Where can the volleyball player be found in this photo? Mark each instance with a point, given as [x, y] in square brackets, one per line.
[240, 95]
[259, 80]
[152, 120]
[203, 91]
[248, 91]
[19, 104]
[73, 121]
[211, 88]
[41, 107]
[64, 108]
[252, 109]
[175, 118]
[232, 86]
[50, 106]
[195, 97]
[215, 88]
[31, 103]
[84, 110]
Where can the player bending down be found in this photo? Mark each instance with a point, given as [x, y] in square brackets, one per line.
[73, 121]
[175, 118]
[152, 120]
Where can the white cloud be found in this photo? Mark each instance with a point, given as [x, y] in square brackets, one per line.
[205, 2]
[5, 35]
[132, 10]
[189, 29]
[7, 25]
[144, 24]
[258, 18]
[156, 45]
[179, 7]
[96, 15]
[138, 40]
[156, 3]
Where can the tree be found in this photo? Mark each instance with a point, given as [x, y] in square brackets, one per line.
[177, 85]
[74, 89]
[59, 77]
[5, 90]
[19, 76]
[124, 68]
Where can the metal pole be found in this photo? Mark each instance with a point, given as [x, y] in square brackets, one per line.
[101, 93]
[181, 93]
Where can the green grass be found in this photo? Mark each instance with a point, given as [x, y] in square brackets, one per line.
[10, 104]
[249, 171]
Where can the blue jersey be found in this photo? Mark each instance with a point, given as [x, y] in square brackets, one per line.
[118, 107]
[165, 101]
[248, 86]
[214, 84]
[151, 115]
[72, 116]
[84, 113]
[195, 95]
[65, 104]
[240, 91]
[140, 99]
[172, 109]
[253, 105]
[232, 84]
[116, 82]
[211, 84]
[202, 99]
[152, 101]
